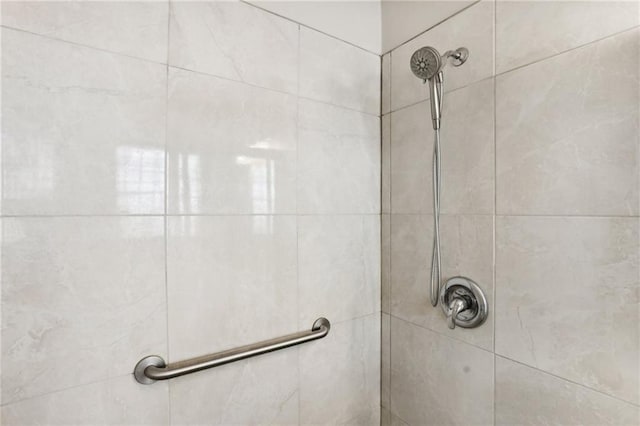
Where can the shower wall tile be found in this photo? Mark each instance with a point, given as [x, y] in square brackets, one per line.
[467, 151]
[386, 84]
[262, 390]
[385, 164]
[526, 396]
[385, 361]
[583, 163]
[137, 29]
[567, 299]
[472, 29]
[117, 401]
[556, 26]
[432, 374]
[236, 41]
[339, 267]
[244, 267]
[340, 375]
[385, 262]
[337, 73]
[231, 147]
[97, 146]
[83, 299]
[339, 160]
[467, 250]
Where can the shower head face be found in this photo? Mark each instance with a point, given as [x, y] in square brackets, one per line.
[426, 63]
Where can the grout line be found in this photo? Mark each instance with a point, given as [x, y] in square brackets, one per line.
[492, 309]
[302, 25]
[564, 379]
[432, 27]
[297, 168]
[166, 207]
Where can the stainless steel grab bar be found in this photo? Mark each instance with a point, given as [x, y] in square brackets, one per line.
[152, 368]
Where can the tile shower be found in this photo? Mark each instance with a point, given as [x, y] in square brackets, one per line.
[180, 178]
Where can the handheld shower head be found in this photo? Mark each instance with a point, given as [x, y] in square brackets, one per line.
[426, 62]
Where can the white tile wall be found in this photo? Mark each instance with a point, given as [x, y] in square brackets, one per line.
[104, 264]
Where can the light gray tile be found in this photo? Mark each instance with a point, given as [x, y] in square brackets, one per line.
[83, 300]
[385, 362]
[339, 267]
[137, 28]
[118, 401]
[386, 84]
[339, 160]
[467, 154]
[385, 262]
[231, 147]
[526, 396]
[567, 294]
[340, 375]
[229, 267]
[431, 374]
[258, 391]
[472, 28]
[237, 41]
[338, 73]
[467, 250]
[550, 162]
[385, 164]
[97, 146]
[527, 31]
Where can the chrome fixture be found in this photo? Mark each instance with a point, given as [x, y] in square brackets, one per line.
[152, 368]
[427, 64]
[463, 303]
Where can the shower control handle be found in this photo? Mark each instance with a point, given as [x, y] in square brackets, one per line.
[456, 306]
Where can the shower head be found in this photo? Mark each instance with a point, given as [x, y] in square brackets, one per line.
[426, 62]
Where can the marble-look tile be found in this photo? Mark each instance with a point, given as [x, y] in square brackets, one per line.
[385, 361]
[385, 103]
[235, 40]
[83, 300]
[338, 267]
[385, 263]
[118, 401]
[339, 160]
[385, 164]
[467, 154]
[340, 375]
[567, 295]
[467, 250]
[525, 396]
[472, 28]
[583, 163]
[556, 26]
[136, 28]
[229, 268]
[261, 390]
[97, 146]
[231, 147]
[431, 374]
[338, 73]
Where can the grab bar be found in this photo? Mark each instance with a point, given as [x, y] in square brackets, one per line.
[152, 368]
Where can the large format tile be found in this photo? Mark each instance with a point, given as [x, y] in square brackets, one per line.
[340, 375]
[97, 146]
[385, 164]
[83, 299]
[231, 281]
[385, 361]
[567, 295]
[385, 101]
[432, 374]
[582, 163]
[385, 263]
[555, 26]
[231, 147]
[118, 401]
[526, 396]
[339, 267]
[262, 390]
[467, 154]
[472, 28]
[137, 28]
[467, 250]
[338, 73]
[237, 41]
[339, 160]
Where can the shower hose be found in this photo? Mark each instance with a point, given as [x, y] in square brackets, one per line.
[436, 257]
